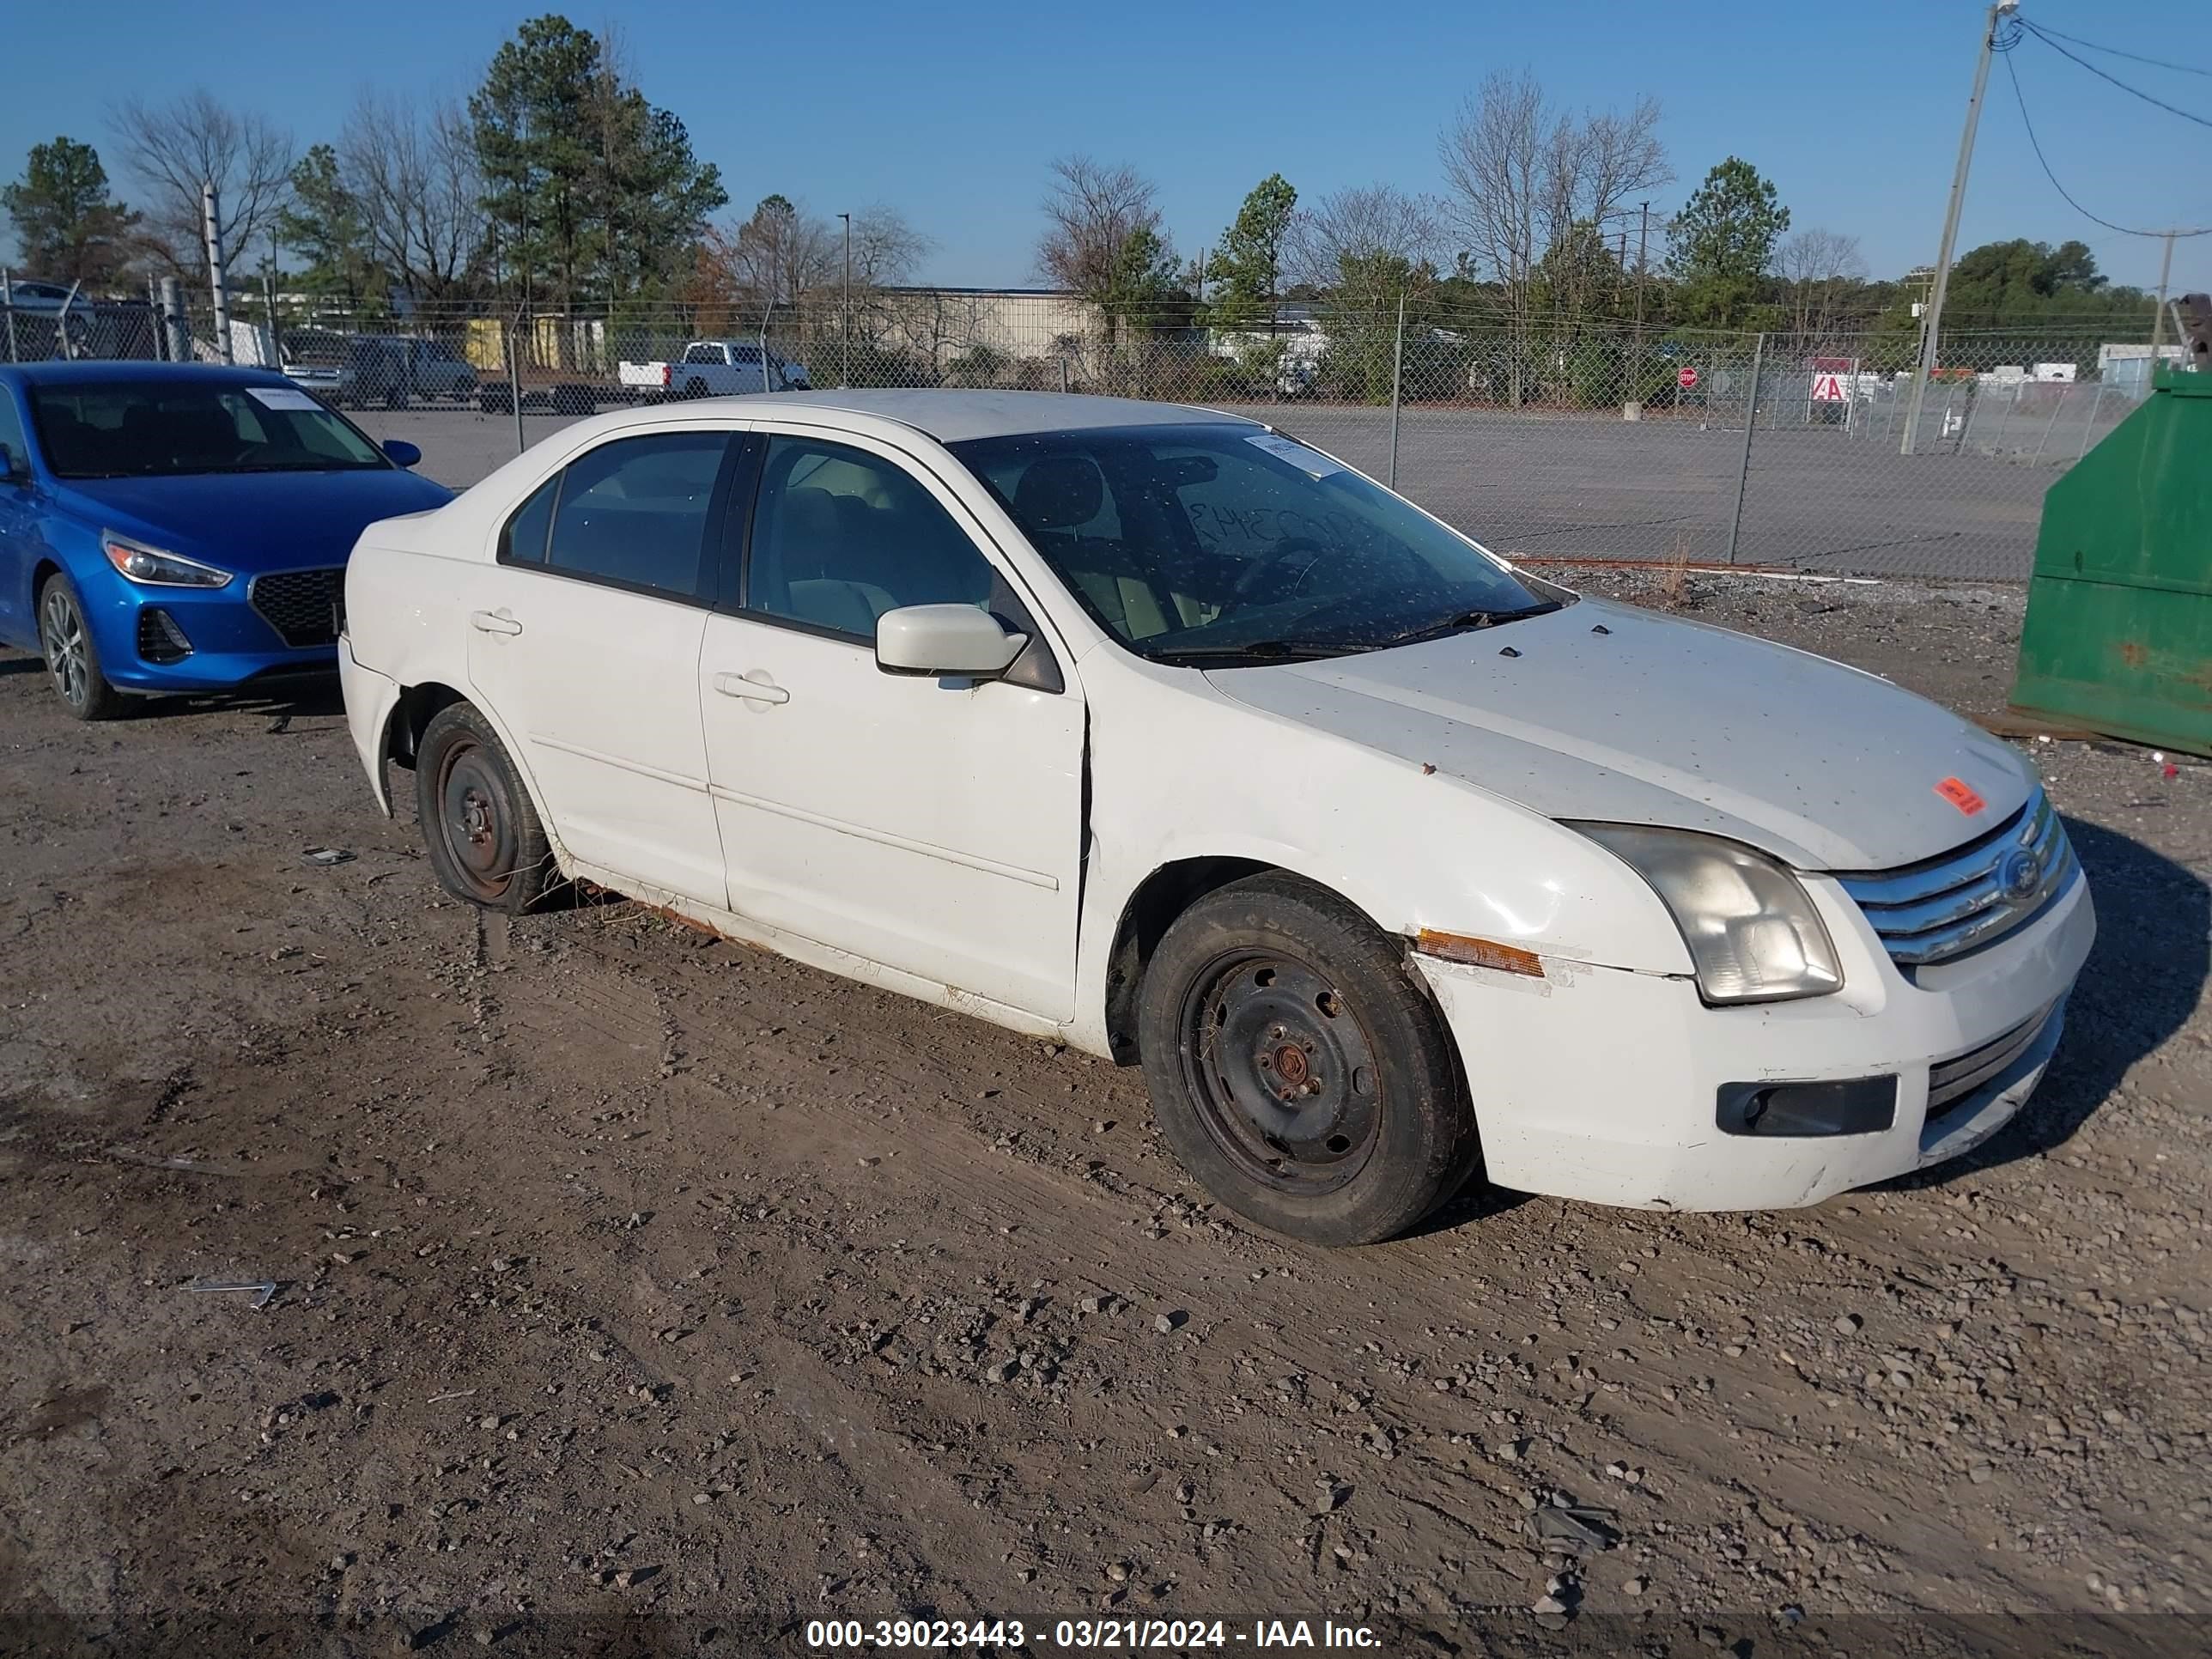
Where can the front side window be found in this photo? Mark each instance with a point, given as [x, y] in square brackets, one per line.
[165, 428]
[840, 536]
[633, 512]
[1213, 544]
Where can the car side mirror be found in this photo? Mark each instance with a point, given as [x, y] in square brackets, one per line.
[939, 641]
[401, 452]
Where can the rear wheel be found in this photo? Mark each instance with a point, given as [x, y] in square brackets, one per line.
[72, 657]
[695, 387]
[478, 821]
[1295, 1068]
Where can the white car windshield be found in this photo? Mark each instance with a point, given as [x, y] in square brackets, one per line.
[163, 429]
[1214, 544]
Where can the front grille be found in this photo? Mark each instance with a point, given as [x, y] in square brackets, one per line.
[1954, 1079]
[161, 642]
[301, 605]
[1944, 906]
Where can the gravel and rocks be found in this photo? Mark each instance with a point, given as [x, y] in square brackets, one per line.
[634, 1281]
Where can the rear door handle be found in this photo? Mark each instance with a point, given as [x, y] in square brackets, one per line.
[494, 622]
[752, 691]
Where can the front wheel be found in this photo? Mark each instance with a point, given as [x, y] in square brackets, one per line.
[1299, 1073]
[479, 825]
[72, 655]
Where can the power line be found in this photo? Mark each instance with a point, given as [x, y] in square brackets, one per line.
[2050, 35]
[2171, 109]
[2036, 144]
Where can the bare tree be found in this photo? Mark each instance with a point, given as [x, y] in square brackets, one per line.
[1092, 212]
[177, 148]
[414, 175]
[886, 248]
[1819, 266]
[1498, 160]
[1361, 243]
[784, 255]
[1526, 178]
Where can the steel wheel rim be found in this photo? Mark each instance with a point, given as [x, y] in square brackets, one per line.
[1282, 1071]
[61, 628]
[473, 820]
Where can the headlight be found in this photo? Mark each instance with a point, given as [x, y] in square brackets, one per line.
[155, 568]
[1753, 933]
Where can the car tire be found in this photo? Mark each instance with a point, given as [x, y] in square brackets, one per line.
[72, 655]
[479, 825]
[1272, 985]
[695, 387]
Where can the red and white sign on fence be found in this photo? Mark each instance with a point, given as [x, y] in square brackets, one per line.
[1687, 378]
[1828, 388]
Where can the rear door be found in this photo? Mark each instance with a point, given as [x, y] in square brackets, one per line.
[931, 825]
[588, 653]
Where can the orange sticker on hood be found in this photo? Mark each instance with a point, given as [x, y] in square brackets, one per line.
[1960, 795]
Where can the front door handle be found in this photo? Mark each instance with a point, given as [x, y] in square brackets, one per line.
[494, 622]
[751, 690]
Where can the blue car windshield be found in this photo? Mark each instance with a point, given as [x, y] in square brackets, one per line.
[160, 428]
[1212, 544]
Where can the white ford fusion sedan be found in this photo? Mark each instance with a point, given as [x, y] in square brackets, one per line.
[1158, 732]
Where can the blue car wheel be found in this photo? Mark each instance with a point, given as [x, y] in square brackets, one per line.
[72, 658]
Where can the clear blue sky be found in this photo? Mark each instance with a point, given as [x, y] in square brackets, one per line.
[951, 113]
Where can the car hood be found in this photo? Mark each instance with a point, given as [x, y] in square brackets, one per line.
[252, 522]
[1606, 711]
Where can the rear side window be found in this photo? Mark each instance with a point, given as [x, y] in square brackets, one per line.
[523, 540]
[634, 513]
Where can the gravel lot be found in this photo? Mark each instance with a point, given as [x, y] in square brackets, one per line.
[1586, 486]
[643, 1292]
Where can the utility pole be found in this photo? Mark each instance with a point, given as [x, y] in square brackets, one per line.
[1643, 253]
[218, 270]
[846, 377]
[1930, 341]
[2157, 321]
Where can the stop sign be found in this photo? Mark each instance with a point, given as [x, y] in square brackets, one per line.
[1685, 379]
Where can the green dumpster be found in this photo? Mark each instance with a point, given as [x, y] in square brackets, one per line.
[2118, 636]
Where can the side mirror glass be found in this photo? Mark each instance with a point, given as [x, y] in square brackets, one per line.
[946, 640]
[402, 452]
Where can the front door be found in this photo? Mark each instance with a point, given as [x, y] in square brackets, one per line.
[932, 826]
[586, 648]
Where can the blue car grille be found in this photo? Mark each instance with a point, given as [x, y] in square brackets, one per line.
[301, 605]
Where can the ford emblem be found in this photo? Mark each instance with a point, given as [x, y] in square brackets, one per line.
[2019, 873]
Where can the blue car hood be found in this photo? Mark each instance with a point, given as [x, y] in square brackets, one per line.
[252, 522]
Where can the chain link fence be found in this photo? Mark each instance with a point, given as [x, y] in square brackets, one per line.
[1595, 442]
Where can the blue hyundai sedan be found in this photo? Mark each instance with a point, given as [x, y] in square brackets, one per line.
[176, 527]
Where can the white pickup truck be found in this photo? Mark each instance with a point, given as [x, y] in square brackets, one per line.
[715, 369]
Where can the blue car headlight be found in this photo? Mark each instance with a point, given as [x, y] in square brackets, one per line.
[152, 567]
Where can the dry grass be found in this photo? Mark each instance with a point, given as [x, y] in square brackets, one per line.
[1674, 583]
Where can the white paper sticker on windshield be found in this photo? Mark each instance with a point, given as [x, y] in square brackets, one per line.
[1311, 462]
[280, 396]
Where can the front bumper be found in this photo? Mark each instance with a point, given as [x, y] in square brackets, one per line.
[1601, 1084]
[233, 646]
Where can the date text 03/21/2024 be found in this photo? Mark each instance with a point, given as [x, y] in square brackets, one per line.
[1173, 1635]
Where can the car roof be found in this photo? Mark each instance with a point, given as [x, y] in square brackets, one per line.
[952, 416]
[119, 369]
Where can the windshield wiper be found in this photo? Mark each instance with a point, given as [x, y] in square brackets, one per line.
[1256, 651]
[1465, 621]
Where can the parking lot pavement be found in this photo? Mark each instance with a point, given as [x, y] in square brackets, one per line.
[637, 1282]
[1537, 486]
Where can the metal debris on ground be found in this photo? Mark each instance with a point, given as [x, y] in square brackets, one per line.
[262, 1291]
[327, 855]
[1572, 1527]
